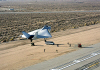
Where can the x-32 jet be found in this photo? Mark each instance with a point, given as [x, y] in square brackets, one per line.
[39, 33]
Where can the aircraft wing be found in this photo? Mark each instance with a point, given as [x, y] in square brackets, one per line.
[26, 34]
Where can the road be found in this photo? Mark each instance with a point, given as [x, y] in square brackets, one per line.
[71, 60]
[82, 11]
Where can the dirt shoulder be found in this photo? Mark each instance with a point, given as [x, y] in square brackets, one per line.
[20, 54]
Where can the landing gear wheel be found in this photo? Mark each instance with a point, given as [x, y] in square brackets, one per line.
[32, 44]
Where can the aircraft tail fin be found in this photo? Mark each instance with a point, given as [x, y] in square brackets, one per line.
[46, 27]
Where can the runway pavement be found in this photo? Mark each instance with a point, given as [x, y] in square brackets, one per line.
[71, 61]
[80, 11]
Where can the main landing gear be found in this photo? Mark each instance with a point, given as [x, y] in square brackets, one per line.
[32, 44]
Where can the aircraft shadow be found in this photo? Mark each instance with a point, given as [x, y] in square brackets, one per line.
[87, 47]
[23, 39]
[38, 45]
[59, 45]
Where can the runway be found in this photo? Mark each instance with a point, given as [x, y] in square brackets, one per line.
[80, 11]
[71, 61]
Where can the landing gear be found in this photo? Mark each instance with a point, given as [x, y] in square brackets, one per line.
[32, 44]
[44, 40]
[31, 40]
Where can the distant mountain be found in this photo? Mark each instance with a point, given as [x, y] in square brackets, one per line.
[2, 0]
[55, 0]
[86, 0]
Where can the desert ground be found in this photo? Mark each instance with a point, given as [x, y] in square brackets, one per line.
[12, 25]
[72, 28]
[19, 54]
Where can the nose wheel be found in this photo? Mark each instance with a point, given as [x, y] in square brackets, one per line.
[32, 44]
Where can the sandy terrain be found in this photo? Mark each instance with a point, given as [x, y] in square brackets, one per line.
[20, 54]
